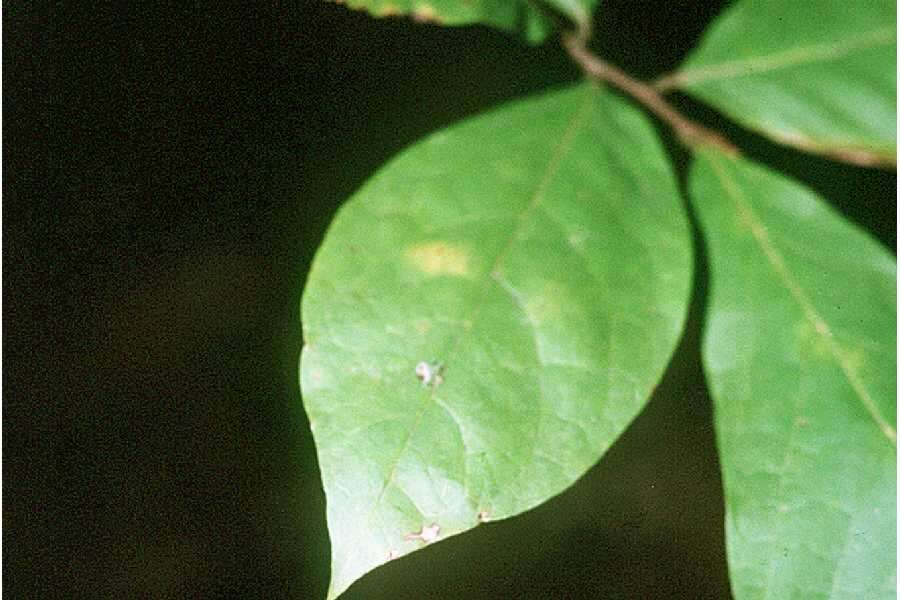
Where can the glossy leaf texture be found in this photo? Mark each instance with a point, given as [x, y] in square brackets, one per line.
[800, 353]
[821, 76]
[533, 264]
[523, 17]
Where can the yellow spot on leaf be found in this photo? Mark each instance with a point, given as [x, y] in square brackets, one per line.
[424, 13]
[439, 258]
[810, 342]
[854, 359]
[389, 10]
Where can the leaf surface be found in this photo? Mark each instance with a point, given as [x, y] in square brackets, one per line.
[800, 353]
[540, 254]
[819, 76]
[522, 17]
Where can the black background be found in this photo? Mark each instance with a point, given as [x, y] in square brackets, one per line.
[169, 173]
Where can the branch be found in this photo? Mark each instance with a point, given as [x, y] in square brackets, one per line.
[690, 133]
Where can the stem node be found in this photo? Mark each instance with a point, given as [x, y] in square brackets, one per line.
[691, 134]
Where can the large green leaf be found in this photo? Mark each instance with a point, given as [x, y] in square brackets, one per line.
[816, 75]
[524, 17]
[541, 254]
[800, 353]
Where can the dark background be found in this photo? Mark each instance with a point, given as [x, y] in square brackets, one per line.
[170, 171]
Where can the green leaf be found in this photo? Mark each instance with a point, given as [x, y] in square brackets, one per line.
[541, 255]
[523, 17]
[800, 354]
[818, 76]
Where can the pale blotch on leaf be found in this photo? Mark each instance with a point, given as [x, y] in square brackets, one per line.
[427, 534]
[576, 239]
[810, 341]
[814, 340]
[389, 10]
[439, 258]
[424, 13]
[545, 306]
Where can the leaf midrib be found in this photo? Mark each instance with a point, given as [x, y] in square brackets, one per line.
[792, 285]
[788, 58]
[560, 150]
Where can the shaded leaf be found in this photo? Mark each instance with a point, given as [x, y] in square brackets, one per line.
[523, 17]
[532, 265]
[800, 353]
[818, 76]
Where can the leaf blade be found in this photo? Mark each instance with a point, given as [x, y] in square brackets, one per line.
[825, 83]
[801, 371]
[494, 248]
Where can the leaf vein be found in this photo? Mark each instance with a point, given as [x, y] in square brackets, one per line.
[780, 60]
[560, 151]
[789, 280]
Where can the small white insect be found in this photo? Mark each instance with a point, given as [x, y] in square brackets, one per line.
[427, 534]
[430, 373]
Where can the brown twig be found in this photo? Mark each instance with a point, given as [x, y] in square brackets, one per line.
[690, 133]
[667, 82]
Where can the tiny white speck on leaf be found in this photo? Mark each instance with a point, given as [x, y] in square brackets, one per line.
[429, 373]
